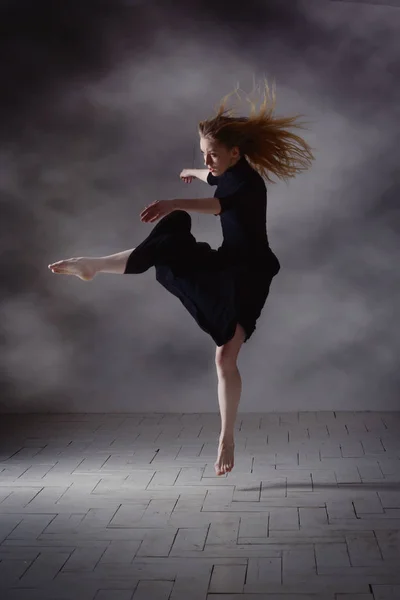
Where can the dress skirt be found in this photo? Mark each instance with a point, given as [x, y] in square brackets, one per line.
[217, 293]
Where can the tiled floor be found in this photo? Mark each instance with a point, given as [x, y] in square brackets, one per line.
[128, 507]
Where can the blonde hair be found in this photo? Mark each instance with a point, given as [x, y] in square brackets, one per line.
[263, 138]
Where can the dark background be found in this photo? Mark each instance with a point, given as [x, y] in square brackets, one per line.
[99, 109]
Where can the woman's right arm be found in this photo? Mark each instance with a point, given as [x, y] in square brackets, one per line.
[199, 173]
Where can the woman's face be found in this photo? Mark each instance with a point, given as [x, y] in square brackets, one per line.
[217, 157]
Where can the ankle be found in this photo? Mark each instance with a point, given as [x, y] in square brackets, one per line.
[226, 440]
[97, 263]
[106, 264]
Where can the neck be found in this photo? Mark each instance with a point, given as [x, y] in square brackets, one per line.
[235, 161]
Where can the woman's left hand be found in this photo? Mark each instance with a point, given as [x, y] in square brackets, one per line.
[156, 210]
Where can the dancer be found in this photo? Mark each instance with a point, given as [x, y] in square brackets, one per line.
[224, 289]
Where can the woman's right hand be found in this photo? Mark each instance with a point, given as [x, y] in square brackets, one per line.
[186, 175]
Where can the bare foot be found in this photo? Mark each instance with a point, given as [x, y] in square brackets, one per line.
[82, 267]
[225, 461]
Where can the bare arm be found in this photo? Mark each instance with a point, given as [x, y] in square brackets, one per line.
[199, 173]
[210, 206]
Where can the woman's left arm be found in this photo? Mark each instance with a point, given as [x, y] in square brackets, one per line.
[160, 208]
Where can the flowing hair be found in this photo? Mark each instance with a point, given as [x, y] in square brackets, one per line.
[263, 138]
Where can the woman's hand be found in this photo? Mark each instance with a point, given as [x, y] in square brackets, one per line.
[156, 210]
[186, 175]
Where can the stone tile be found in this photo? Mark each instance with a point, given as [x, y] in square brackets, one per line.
[262, 572]
[189, 540]
[225, 533]
[332, 555]
[44, 569]
[228, 578]
[364, 550]
[157, 543]
[129, 506]
[386, 592]
[156, 590]
[284, 518]
[113, 595]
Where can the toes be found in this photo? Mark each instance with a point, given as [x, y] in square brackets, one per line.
[218, 470]
[61, 271]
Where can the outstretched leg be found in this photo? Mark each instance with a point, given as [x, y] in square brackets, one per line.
[86, 267]
[161, 245]
[229, 391]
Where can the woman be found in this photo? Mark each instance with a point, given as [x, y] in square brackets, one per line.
[224, 289]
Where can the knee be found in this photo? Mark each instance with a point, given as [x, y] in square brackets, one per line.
[225, 360]
[182, 217]
[227, 354]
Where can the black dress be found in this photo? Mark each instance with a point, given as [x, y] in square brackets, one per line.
[223, 287]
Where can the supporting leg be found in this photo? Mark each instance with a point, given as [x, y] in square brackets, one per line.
[229, 392]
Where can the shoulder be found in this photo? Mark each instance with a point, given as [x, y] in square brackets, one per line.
[249, 181]
[242, 179]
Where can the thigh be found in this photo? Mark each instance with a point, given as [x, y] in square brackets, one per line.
[231, 349]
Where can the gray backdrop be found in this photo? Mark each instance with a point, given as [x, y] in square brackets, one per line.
[99, 113]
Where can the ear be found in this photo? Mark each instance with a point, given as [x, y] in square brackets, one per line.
[235, 152]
